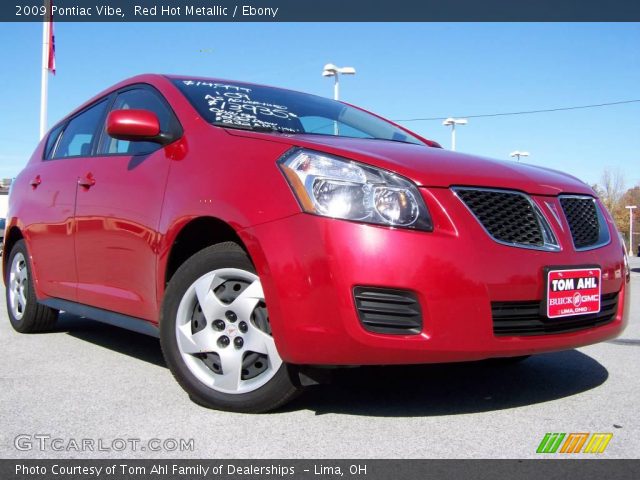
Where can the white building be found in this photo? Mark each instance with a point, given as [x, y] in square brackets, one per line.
[4, 204]
[4, 196]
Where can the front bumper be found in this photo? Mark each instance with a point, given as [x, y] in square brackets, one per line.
[310, 265]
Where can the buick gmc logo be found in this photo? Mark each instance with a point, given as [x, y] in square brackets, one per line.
[577, 299]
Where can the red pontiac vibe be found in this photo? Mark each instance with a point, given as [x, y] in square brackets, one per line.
[262, 233]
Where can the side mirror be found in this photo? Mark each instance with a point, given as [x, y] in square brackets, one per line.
[136, 125]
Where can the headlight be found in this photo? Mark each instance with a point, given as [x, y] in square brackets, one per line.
[340, 188]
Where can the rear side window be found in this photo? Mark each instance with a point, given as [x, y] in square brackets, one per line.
[51, 141]
[78, 136]
[137, 99]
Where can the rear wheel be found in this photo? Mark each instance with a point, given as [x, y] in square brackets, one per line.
[25, 313]
[216, 336]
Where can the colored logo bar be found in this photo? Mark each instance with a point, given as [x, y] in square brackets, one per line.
[574, 443]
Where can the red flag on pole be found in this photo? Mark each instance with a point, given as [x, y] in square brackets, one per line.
[51, 63]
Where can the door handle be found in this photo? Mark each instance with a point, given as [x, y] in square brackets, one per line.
[36, 181]
[87, 181]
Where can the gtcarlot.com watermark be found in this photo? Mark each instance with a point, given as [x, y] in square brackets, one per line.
[48, 443]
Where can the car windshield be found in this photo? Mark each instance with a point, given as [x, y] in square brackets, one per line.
[259, 108]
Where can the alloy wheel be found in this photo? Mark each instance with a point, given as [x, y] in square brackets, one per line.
[18, 281]
[223, 332]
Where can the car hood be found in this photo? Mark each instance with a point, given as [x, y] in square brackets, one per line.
[434, 167]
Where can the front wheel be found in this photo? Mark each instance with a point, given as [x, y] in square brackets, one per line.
[216, 336]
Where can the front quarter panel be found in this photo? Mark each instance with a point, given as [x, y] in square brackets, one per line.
[233, 179]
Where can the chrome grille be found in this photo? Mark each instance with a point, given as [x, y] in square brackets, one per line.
[513, 218]
[582, 216]
[508, 217]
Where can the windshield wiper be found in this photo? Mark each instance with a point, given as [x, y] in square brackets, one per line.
[278, 129]
[392, 140]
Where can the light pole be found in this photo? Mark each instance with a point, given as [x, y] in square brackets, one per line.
[330, 70]
[519, 154]
[631, 207]
[452, 122]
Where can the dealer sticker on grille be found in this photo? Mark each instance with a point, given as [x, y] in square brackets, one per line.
[573, 292]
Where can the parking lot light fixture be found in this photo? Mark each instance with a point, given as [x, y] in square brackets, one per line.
[631, 207]
[330, 70]
[452, 122]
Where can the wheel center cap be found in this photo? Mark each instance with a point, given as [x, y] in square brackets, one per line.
[232, 331]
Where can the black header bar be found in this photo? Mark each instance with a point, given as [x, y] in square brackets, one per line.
[322, 10]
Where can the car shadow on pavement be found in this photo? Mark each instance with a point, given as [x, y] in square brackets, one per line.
[401, 391]
[137, 345]
[452, 389]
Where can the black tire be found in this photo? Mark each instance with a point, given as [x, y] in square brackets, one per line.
[35, 317]
[279, 390]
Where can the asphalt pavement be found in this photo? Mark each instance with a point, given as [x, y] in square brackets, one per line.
[89, 390]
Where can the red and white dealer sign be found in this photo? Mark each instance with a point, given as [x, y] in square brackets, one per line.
[573, 292]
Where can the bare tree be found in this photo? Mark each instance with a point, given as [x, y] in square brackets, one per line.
[611, 188]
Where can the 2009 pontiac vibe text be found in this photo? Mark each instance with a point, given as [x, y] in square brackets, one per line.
[266, 235]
